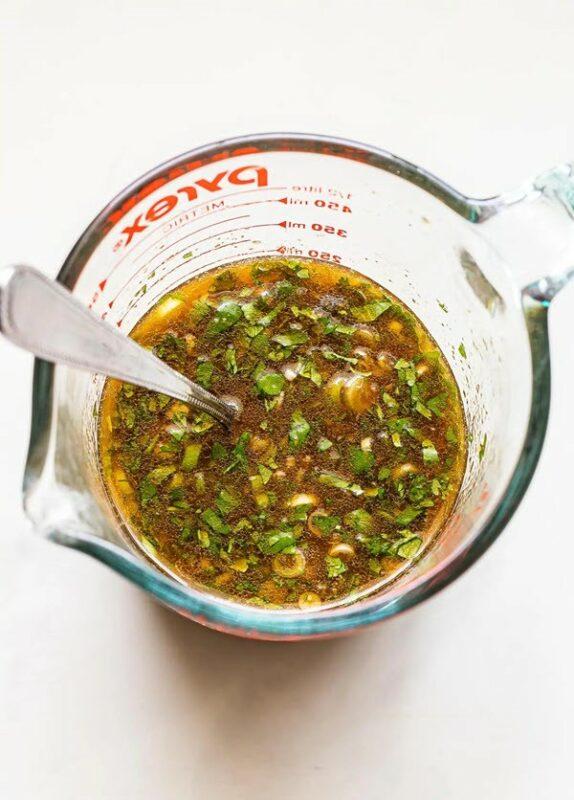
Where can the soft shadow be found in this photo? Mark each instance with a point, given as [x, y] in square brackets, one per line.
[272, 701]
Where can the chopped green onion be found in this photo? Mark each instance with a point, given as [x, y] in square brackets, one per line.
[291, 338]
[430, 455]
[190, 457]
[226, 501]
[211, 518]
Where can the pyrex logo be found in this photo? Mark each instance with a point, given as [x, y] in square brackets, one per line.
[237, 177]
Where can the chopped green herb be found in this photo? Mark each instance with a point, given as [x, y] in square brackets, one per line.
[410, 548]
[265, 473]
[389, 401]
[276, 541]
[218, 452]
[203, 538]
[211, 518]
[127, 415]
[147, 490]
[291, 338]
[423, 410]
[270, 383]
[330, 355]
[462, 349]
[408, 515]
[361, 461]
[325, 523]
[335, 566]
[199, 310]
[260, 345]
[304, 312]
[334, 480]
[482, 448]
[376, 545]
[430, 455]
[370, 311]
[231, 360]
[284, 289]
[310, 371]
[226, 501]
[406, 371]
[204, 373]
[359, 520]
[438, 404]
[324, 444]
[299, 430]
[226, 315]
[202, 422]
[450, 435]
[271, 315]
[239, 453]
[329, 326]
[250, 312]
[160, 474]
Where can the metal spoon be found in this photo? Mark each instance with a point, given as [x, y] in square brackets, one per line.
[44, 318]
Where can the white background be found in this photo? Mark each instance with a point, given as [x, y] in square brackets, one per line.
[102, 693]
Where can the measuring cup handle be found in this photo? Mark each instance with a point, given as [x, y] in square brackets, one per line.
[43, 317]
[532, 228]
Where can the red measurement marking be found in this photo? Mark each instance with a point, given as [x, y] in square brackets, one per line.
[254, 203]
[289, 224]
[178, 282]
[193, 208]
[319, 227]
[194, 244]
[332, 205]
[172, 173]
[144, 266]
[160, 208]
[321, 255]
[338, 150]
[187, 235]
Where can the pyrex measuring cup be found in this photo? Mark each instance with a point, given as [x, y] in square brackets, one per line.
[470, 269]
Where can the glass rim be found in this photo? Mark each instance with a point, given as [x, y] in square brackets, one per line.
[232, 616]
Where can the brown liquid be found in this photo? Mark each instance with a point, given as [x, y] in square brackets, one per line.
[347, 458]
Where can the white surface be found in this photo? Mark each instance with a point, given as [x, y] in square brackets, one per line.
[102, 693]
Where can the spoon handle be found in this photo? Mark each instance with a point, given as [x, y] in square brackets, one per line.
[43, 317]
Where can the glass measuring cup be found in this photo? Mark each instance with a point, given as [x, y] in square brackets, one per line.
[470, 269]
